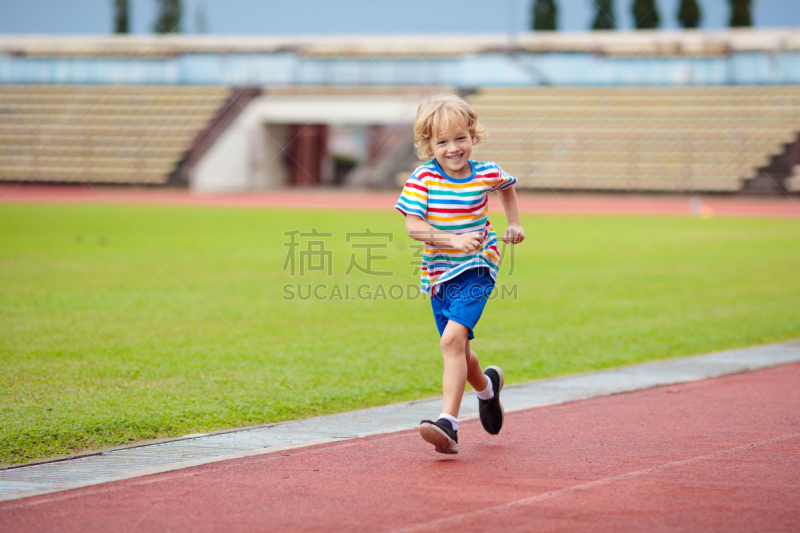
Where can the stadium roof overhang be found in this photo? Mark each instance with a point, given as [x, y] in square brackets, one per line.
[614, 43]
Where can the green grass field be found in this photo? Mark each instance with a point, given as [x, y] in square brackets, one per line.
[138, 322]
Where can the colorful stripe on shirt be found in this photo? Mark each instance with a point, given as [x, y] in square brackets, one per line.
[457, 206]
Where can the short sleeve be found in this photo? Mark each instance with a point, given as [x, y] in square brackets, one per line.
[504, 180]
[414, 198]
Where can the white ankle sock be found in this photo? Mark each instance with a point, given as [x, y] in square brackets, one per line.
[488, 393]
[453, 420]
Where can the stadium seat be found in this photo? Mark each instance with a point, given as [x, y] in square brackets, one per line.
[100, 134]
[634, 138]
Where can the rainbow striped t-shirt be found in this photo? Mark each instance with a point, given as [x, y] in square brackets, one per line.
[457, 206]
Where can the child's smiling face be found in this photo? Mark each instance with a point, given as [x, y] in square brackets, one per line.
[452, 150]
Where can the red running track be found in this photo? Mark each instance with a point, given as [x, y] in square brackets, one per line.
[714, 455]
[558, 203]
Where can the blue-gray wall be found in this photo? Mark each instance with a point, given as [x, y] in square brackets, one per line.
[465, 72]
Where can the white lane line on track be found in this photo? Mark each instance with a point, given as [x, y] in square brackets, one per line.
[449, 520]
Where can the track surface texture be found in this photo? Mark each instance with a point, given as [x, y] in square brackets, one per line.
[720, 454]
[318, 197]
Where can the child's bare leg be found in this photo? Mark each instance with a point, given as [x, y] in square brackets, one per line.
[454, 342]
[475, 375]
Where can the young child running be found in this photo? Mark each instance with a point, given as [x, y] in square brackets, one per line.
[446, 207]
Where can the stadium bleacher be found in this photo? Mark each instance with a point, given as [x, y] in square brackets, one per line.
[714, 139]
[672, 139]
[100, 134]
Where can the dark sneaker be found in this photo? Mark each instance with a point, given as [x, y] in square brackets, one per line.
[491, 411]
[440, 434]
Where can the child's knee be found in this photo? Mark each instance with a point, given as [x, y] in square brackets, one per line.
[453, 340]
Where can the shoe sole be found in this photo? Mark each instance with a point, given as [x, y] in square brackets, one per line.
[434, 435]
[502, 380]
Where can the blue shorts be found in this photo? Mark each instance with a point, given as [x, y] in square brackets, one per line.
[462, 299]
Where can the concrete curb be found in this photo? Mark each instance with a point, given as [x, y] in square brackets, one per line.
[164, 456]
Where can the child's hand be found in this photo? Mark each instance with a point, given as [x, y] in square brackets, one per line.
[514, 234]
[467, 242]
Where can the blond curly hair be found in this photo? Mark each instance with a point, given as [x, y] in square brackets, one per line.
[440, 113]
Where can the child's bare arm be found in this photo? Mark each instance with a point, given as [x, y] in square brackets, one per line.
[514, 232]
[420, 230]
